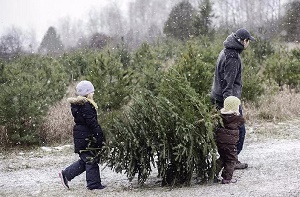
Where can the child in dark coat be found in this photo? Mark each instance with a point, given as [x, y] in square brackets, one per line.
[227, 137]
[88, 137]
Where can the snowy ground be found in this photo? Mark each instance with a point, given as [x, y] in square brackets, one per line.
[272, 152]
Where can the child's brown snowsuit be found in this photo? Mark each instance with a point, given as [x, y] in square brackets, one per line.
[227, 138]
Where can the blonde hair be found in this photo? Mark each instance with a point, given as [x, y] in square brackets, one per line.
[90, 96]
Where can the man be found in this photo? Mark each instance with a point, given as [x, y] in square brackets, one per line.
[228, 77]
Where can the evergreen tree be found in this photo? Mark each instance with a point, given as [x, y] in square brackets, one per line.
[197, 63]
[291, 21]
[179, 24]
[172, 131]
[75, 64]
[147, 68]
[253, 80]
[31, 84]
[283, 68]
[293, 74]
[124, 54]
[112, 82]
[203, 19]
[51, 43]
[262, 47]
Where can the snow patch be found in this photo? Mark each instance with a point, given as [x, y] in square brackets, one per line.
[58, 148]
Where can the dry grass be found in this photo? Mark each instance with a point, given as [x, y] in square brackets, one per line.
[276, 116]
[284, 105]
[58, 125]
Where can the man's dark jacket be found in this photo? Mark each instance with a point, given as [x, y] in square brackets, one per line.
[228, 72]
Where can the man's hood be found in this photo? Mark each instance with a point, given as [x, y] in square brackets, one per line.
[232, 43]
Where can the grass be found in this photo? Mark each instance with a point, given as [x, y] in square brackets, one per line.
[284, 105]
[58, 125]
[275, 116]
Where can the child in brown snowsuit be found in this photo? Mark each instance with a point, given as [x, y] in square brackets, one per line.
[227, 137]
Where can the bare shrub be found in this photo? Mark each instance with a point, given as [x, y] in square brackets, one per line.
[58, 124]
[281, 106]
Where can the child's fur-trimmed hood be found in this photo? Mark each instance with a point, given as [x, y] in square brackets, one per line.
[79, 100]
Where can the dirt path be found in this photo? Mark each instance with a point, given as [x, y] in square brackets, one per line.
[274, 171]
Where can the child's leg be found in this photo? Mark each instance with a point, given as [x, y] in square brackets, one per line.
[220, 160]
[93, 176]
[74, 169]
[92, 171]
[219, 165]
[230, 158]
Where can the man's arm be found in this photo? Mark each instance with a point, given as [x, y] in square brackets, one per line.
[230, 73]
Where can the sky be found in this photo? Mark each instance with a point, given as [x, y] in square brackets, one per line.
[38, 15]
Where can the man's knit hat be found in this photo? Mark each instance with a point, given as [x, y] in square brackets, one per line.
[231, 105]
[84, 88]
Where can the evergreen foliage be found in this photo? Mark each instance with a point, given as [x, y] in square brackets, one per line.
[123, 52]
[294, 71]
[203, 19]
[262, 48]
[147, 68]
[283, 68]
[197, 63]
[167, 49]
[51, 43]
[112, 82]
[253, 80]
[75, 64]
[180, 22]
[29, 86]
[172, 131]
[275, 67]
[291, 21]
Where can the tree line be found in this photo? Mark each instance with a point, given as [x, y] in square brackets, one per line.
[149, 21]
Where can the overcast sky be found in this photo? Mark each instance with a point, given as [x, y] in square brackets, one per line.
[38, 15]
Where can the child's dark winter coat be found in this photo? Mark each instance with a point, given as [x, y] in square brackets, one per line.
[86, 124]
